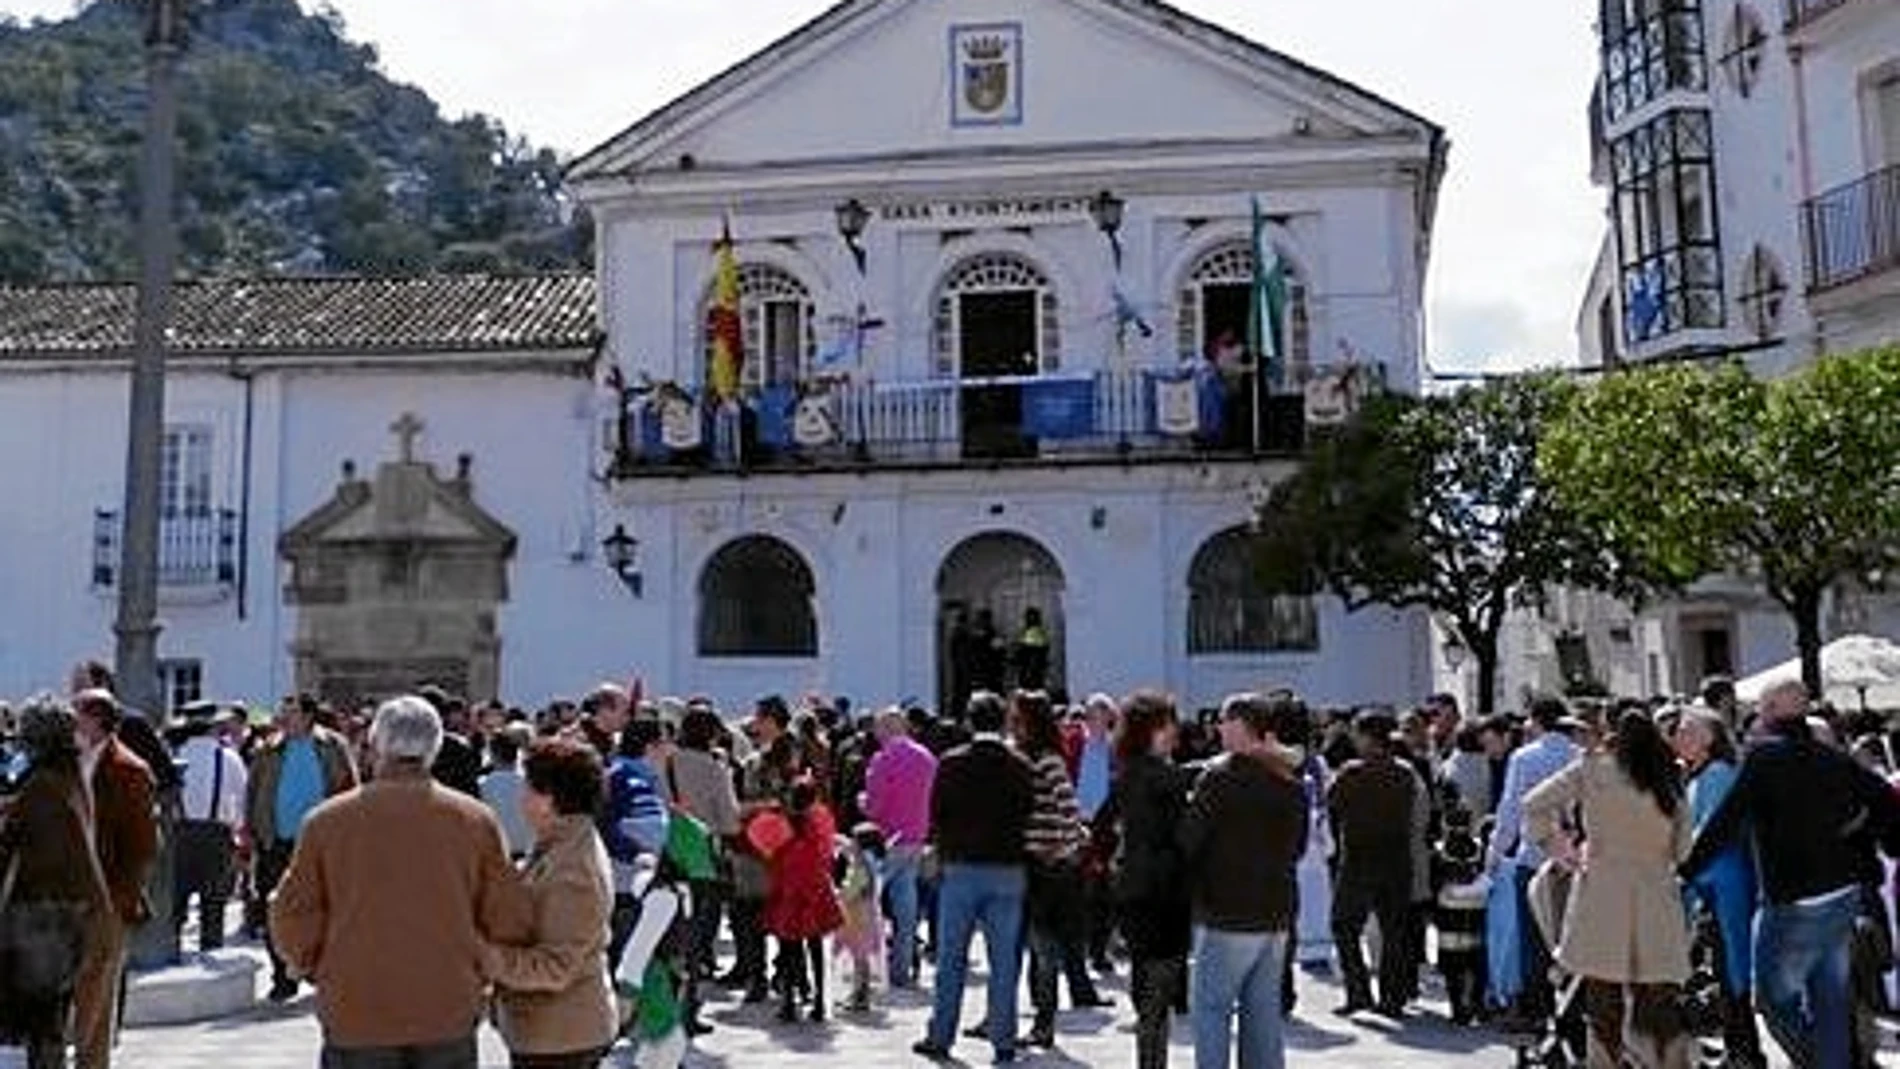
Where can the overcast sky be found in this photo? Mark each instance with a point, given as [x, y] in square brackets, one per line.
[1509, 79]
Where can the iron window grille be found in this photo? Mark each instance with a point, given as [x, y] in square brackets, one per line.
[1650, 47]
[755, 600]
[1669, 256]
[1229, 611]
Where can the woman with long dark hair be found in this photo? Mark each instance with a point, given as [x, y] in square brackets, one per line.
[1054, 906]
[1143, 812]
[1623, 933]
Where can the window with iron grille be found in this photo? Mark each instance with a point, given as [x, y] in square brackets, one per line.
[1670, 259]
[1229, 611]
[755, 600]
[1649, 48]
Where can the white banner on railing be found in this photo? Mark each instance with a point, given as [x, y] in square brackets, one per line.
[680, 426]
[813, 423]
[1177, 407]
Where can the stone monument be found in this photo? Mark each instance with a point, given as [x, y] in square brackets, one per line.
[397, 583]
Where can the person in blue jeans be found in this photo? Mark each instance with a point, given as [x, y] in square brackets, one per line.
[1241, 842]
[979, 818]
[1812, 810]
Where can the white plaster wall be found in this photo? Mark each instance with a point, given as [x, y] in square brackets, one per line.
[526, 432]
[1843, 145]
[876, 569]
[1758, 185]
[891, 82]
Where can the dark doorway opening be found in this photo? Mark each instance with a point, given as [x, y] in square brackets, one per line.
[998, 340]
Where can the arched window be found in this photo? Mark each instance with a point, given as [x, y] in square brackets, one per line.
[778, 319]
[755, 600]
[1229, 611]
[1764, 292]
[1216, 297]
[996, 315]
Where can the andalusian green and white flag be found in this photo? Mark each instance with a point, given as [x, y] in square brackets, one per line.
[1266, 318]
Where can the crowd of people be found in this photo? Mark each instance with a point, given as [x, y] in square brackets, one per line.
[1615, 876]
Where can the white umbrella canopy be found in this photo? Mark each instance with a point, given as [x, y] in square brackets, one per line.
[1856, 671]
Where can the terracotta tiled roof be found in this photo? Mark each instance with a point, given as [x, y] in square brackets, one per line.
[310, 316]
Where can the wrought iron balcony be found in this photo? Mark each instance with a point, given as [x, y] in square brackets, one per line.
[194, 551]
[1853, 231]
[1107, 417]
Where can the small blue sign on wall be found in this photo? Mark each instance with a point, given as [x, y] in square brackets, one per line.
[986, 74]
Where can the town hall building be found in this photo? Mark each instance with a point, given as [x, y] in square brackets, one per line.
[1031, 302]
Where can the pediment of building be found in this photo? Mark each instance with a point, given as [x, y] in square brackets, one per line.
[895, 79]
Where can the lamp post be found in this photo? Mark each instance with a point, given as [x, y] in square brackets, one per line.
[136, 628]
[622, 552]
[853, 217]
[1107, 209]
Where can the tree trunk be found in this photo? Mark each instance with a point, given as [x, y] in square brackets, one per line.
[1805, 606]
[1484, 650]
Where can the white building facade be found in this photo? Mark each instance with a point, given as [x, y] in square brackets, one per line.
[1750, 153]
[972, 236]
[992, 258]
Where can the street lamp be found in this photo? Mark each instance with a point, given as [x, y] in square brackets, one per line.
[853, 217]
[1107, 209]
[1454, 651]
[623, 556]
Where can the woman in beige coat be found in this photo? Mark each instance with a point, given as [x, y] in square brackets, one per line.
[555, 1006]
[1624, 932]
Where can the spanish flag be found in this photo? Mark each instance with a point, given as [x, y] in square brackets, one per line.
[722, 320]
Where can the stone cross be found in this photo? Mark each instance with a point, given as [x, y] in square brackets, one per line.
[406, 429]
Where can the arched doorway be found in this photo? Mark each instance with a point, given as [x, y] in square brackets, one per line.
[988, 590]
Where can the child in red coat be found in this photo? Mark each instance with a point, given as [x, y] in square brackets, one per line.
[802, 907]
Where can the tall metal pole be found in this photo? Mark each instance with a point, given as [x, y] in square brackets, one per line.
[137, 626]
[154, 944]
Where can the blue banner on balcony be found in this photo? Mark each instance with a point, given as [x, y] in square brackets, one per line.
[775, 405]
[1055, 409]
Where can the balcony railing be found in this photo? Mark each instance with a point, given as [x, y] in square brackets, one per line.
[1853, 231]
[1084, 418]
[195, 551]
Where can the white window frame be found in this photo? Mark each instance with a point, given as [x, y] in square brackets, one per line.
[1232, 264]
[185, 471]
[764, 289]
[995, 272]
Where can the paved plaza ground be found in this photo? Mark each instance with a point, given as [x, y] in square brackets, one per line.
[282, 1037]
[286, 1037]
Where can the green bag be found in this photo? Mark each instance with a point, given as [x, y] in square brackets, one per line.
[689, 845]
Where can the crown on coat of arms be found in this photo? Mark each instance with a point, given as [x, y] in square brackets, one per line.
[986, 49]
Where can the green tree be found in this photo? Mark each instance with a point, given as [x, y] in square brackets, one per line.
[1689, 471]
[1435, 502]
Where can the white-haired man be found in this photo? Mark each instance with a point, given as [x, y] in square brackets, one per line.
[392, 891]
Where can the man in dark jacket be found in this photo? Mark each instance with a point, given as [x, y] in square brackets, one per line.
[1371, 805]
[1241, 842]
[1812, 810]
[979, 818]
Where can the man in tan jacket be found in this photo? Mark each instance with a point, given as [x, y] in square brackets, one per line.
[121, 798]
[392, 891]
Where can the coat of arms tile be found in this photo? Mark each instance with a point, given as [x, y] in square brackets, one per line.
[986, 64]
